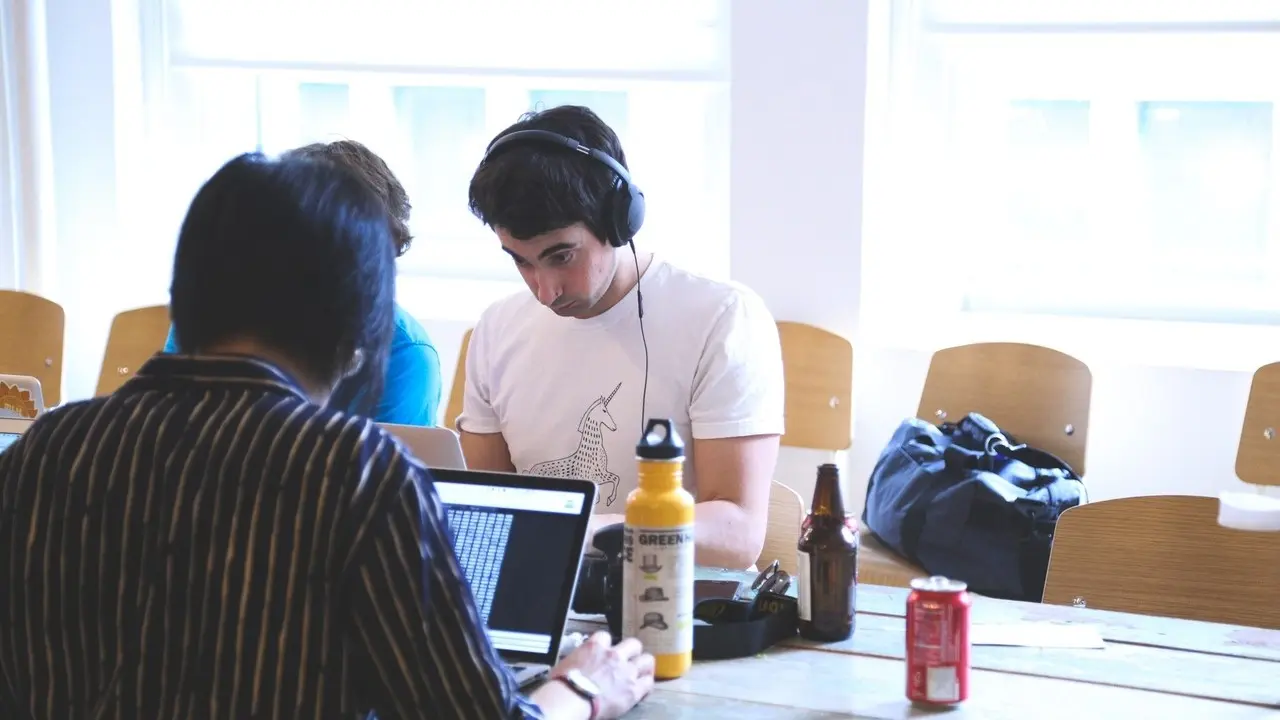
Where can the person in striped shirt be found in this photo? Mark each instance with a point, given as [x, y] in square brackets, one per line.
[213, 541]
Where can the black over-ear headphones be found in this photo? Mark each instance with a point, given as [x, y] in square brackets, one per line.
[625, 205]
[624, 208]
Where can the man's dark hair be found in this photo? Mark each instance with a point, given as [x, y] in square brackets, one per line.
[374, 172]
[531, 188]
[295, 254]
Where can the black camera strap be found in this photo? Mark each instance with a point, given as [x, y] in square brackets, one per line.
[738, 628]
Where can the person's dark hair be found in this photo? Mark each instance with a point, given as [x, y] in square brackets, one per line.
[531, 188]
[373, 170]
[295, 254]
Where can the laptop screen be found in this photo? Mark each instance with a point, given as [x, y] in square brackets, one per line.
[519, 546]
[7, 439]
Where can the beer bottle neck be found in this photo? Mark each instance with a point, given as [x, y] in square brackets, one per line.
[827, 500]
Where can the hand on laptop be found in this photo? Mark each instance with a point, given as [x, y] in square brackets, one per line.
[623, 672]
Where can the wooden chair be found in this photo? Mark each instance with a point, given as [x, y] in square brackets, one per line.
[786, 512]
[1258, 454]
[454, 408]
[1167, 555]
[1164, 555]
[135, 336]
[31, 340]
[817, 367]
[1040, 396]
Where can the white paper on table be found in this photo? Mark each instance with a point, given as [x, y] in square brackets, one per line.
[1035, 634]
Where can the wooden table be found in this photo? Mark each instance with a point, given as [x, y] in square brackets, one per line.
[1152, 667]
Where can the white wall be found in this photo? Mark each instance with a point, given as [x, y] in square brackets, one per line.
[797, 106]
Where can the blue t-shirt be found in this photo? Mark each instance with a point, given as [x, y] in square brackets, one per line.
[411, 391]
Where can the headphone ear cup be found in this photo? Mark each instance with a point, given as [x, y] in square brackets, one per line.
[628, 211]
[619, 210]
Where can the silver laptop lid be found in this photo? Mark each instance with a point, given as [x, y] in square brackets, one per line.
[435, 447]
[519, 539]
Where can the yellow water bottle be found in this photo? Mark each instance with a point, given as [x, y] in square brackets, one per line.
[657, 552]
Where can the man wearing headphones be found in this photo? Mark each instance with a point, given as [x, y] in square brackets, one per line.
[560, 382]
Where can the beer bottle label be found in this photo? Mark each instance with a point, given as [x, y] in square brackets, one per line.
[805, 576]
[657, 588]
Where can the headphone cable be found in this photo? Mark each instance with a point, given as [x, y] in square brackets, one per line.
[644, 393]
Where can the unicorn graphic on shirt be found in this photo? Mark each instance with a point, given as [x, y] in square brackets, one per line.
[589, 461]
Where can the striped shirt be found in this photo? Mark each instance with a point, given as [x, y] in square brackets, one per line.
[235, 551]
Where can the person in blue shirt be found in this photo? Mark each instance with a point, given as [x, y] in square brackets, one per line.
[411, 382]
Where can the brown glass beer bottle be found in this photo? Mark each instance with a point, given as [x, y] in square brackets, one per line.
[827, 560]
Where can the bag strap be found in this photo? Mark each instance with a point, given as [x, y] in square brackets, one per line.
[999, 444]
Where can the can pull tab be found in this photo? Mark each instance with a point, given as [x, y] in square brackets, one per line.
[660, 441]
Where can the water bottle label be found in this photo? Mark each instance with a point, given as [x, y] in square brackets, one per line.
[804, 575]
[657, 587]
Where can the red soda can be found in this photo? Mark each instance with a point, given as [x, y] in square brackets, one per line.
[938, 641]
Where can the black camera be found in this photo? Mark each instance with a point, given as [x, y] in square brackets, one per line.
[599, 589]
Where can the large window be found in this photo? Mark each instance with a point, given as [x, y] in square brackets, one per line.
[1101, 158]
[427, 84]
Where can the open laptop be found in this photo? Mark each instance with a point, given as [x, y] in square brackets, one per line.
[519, 539]
[11, 429]
[435, 447]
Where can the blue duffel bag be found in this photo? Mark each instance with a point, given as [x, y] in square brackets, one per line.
[965, 500]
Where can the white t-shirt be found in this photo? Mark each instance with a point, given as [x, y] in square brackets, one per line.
[566, 393]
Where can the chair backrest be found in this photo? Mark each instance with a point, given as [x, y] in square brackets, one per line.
[1040, 396]
[1165, 555]
[454, 408]
[135, 336]
[818, 367]
[1258, 455]
[31, 340]
[782, 535]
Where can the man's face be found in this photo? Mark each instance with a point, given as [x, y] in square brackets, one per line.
[568, 270]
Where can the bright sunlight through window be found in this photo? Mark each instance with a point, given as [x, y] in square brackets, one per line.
[1093, 158]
